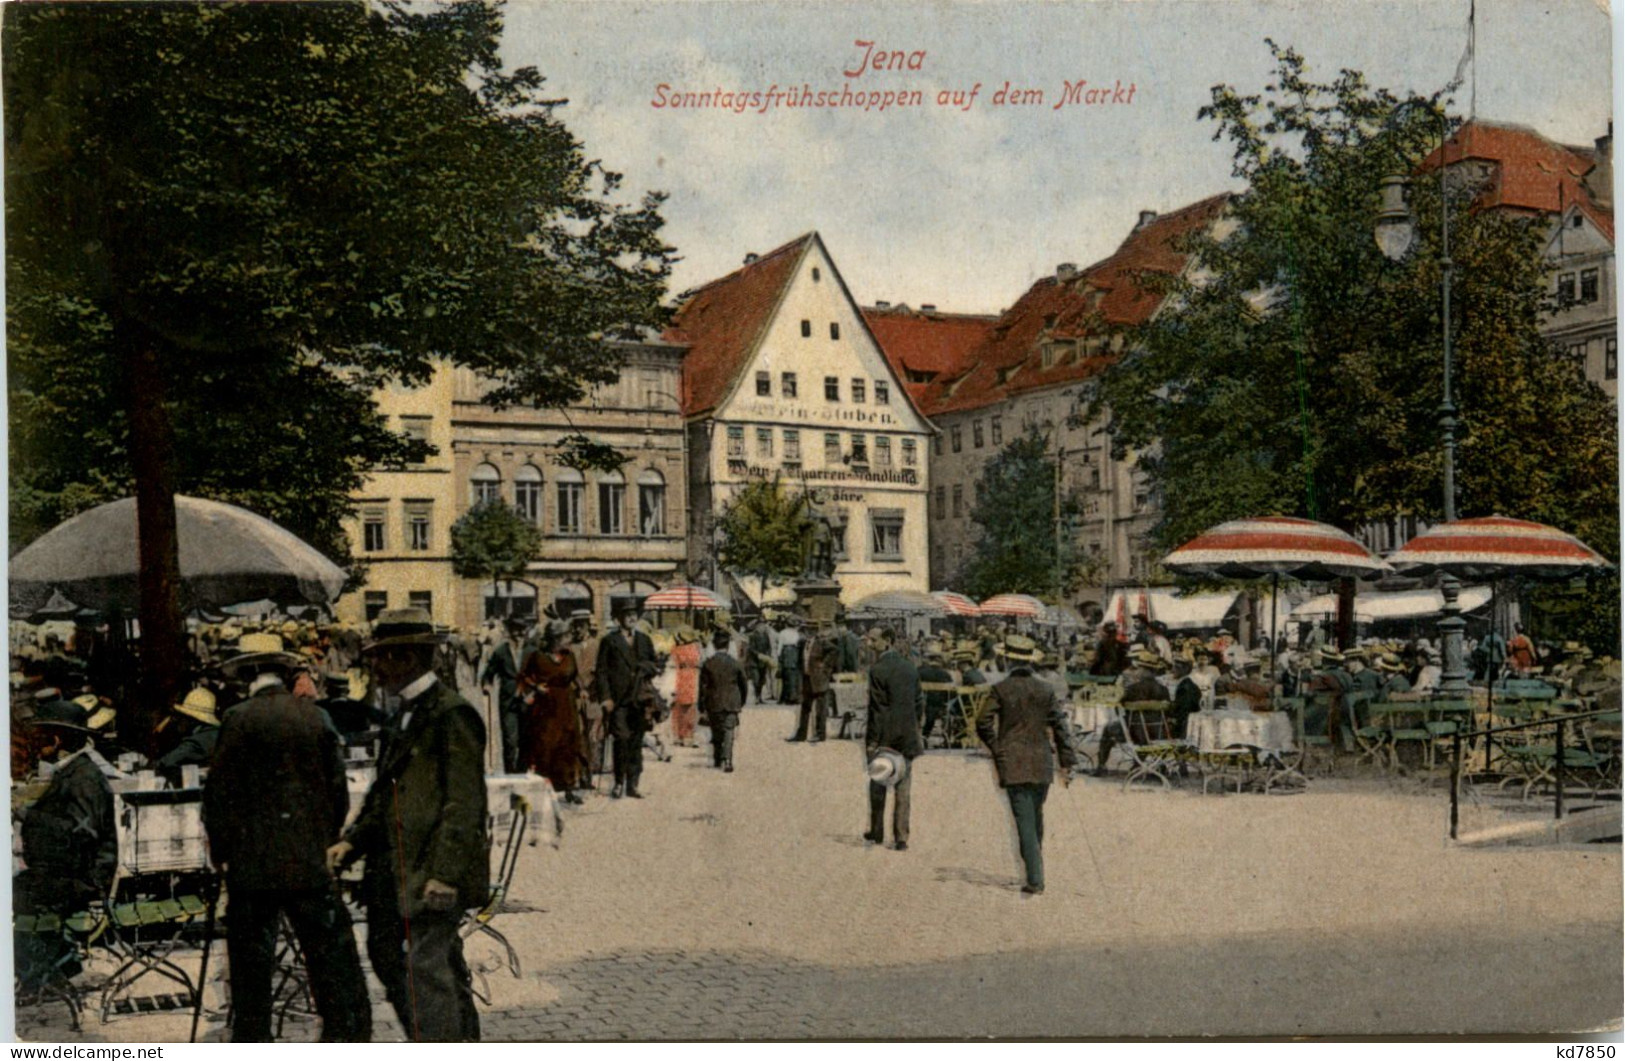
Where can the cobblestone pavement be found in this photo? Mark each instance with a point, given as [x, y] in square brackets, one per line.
[746, 906]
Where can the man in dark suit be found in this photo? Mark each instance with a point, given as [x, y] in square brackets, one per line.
[942, 687]
[1020, 720]
[758, 653]
[274, 802]
[722, 698]
[895, 707]
[626, 661]
[422, 831]
[819, 669]
[1110, 656]
[503, 667]
[1140, 685]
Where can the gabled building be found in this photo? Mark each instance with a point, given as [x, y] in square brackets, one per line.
[784, 378]
[1572, 188]
[1030, 371]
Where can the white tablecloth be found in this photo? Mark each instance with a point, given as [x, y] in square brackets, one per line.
[1216, 730]
[1092, 718]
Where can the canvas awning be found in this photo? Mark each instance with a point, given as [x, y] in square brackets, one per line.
[1194, 611]
[1405, 604]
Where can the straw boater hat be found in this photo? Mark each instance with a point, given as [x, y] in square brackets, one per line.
[1388, 662]
[1144, 657]
[100, 712]
[402, 626]
[1021, 647]
[199, 704]
[887, 767]
[259, 650]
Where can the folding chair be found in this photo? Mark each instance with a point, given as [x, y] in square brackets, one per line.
[1149, 742]
[38, 933]
[1371, 740]
[480, 921]
[940, 689]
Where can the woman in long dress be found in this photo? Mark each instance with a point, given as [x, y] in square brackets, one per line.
[684, 713]
[550, 725]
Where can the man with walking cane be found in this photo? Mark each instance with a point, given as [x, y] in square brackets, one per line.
[422, 831]
[1017, 725]
[275, 799]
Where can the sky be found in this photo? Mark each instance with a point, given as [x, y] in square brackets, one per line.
[963, 207]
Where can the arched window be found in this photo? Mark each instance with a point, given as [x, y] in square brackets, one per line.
[509, 598]
[527, 493]
[633, 590]
[572, 486]
[612, 503]
[570, 598]
[651, 503]
[487, 484]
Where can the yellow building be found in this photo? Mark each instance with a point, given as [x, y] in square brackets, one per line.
[784, 378]
[606, 535]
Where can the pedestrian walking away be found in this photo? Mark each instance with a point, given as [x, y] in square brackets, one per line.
[274, 802]
[422, 832]
[503, 668]
[896, 705]
[722, 698]
[1021, 720]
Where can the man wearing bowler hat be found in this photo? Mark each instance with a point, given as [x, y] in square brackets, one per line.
[422, 832]
[275, 799]
[626, 661]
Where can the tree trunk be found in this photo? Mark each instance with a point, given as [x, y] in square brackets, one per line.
[152, 458]
[1345, 613]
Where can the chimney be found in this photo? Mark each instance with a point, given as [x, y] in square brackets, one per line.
[1146, 217]
[750, 259]
[1600, 181]
[882, 305]
[1066, 271]
[928, 307]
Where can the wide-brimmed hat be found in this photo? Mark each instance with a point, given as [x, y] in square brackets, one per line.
[1330, 655]
[686, 635]
[1389, 662]
[199, 704]
[259, 650]
[98, 712]
[1144, 657]
[402, 626]
[61, 714]
[1021, 647]
[887, 767]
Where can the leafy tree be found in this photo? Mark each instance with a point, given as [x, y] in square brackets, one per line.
[1296, 370]
[1016, 512]
[228, 223]
[493, 543]
[763, 530]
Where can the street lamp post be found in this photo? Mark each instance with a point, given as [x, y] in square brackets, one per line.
[1395, 232]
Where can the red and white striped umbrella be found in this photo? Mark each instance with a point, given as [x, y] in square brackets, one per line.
[1498, 547]
[1275, 545]
[1015, 605]
[957, 603]
[683, 598]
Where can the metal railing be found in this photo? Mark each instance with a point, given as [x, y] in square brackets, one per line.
[1561, 722]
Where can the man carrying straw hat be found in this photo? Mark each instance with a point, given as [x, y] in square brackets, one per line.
[422, 832]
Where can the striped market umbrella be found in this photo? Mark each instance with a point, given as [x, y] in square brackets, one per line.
[1498, 547]
[1015, 605]
[683, 598]
[1272, 546]
[1276, 545]
[898, 602]
[957, 604]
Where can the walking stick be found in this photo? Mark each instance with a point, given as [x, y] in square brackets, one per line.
[208, 943]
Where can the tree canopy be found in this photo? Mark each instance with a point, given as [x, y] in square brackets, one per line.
[764, 530]
[1015, 511]
[493, 543]
[1296, 370]
[228, 223]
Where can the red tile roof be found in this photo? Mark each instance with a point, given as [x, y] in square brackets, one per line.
[1532, 173]
[722, 322]
[1110, 292]
[926, 341]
